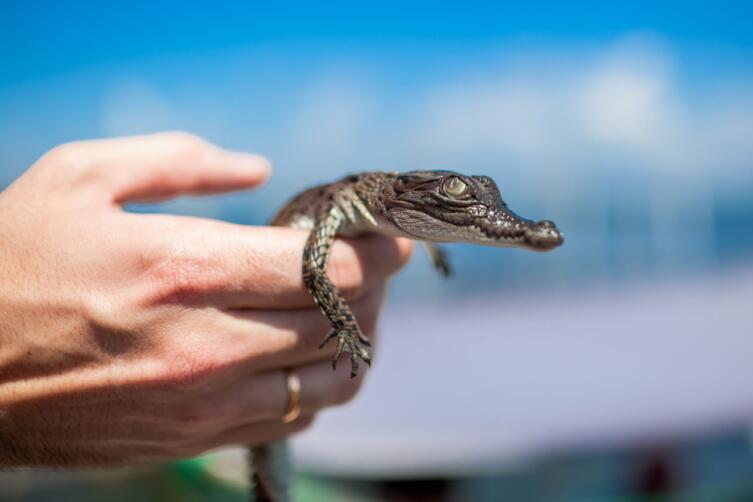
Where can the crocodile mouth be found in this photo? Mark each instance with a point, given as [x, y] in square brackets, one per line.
[496, 227]
[542, 235]
[495, 231]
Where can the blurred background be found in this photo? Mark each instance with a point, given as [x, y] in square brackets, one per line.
[619, 367]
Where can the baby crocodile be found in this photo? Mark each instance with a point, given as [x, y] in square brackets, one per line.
[429, 206]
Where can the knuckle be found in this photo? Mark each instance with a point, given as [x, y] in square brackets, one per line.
[180, 275]
[67, 153]
[179, 137]
[105, 322]
[72, 161]
[188, 371]
[187, 146]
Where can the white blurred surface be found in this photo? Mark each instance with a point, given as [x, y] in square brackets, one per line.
[503, 379]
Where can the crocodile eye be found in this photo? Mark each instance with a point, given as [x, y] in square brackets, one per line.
[455, 186]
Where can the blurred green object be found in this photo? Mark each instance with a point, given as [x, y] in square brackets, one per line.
[716, 469]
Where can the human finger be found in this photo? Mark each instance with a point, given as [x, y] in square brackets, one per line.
[264, 396]
[156, 166]
[237, 267]
[292, 338]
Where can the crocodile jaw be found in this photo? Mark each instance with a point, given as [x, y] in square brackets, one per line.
[488, 227]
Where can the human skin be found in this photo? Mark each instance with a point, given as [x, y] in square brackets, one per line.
[129, 338]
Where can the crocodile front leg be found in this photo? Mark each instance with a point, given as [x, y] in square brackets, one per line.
[350, 338]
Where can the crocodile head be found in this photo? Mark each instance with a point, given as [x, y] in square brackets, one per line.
[445, 206]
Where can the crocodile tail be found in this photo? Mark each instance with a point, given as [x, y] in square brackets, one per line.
[269, 466]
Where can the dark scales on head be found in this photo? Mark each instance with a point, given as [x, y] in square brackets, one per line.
[444, 206]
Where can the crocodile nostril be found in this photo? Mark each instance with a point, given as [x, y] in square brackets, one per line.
[544, 235]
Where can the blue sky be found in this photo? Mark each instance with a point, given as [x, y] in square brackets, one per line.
[39, 38]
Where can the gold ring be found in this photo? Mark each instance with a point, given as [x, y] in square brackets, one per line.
[293, 410]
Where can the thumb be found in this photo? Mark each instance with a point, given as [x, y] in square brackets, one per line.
[165, 165]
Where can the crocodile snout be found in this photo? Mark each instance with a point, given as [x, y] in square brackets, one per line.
[543, 235]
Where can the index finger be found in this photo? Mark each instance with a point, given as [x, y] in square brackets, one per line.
[237, 266]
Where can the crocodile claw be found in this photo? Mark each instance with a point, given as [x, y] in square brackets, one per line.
[352, 341]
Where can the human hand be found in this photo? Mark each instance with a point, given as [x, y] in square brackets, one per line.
[139, 337]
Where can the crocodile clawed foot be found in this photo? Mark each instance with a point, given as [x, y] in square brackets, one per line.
[352, 341]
